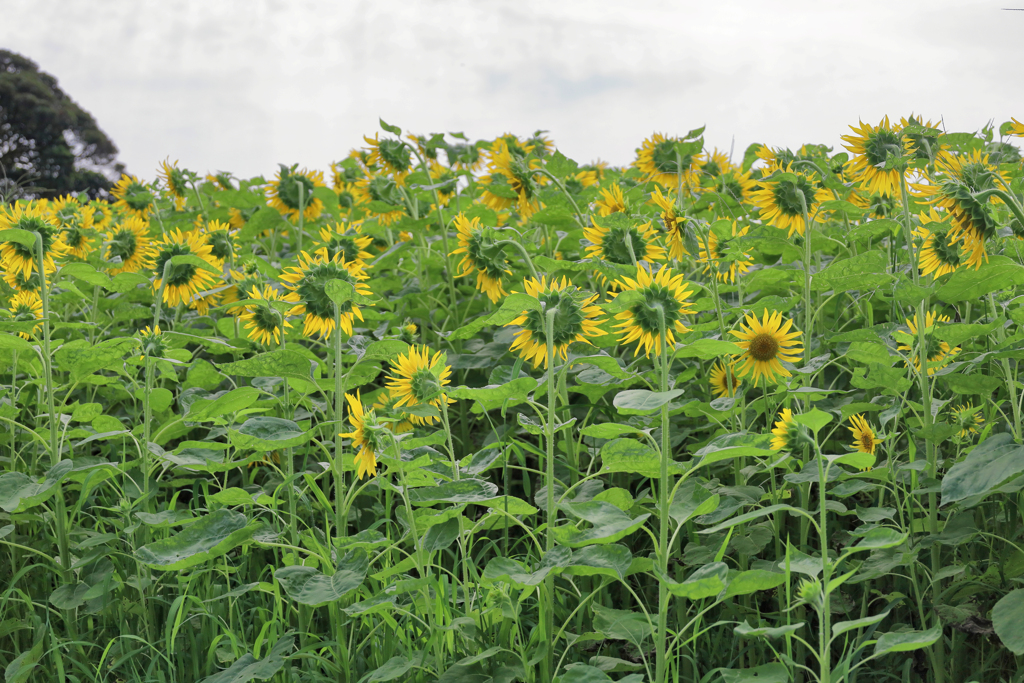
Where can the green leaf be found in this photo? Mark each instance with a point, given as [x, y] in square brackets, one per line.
[396, 667]
[341, 292]
[462, 491]
[966, 283]
[69, 596]
[126, 282]
[513, 572]
[85, 273]
[394, 130]
[740, 444]
[21, 667]
[754, 580]
[560, 165]
[237, 399]
[511, 308]
[267, 434]
[607, 430]
[617, 624]
[706, 582]
[271, 364]
[247, 667]
[606, 560]
[745, 630]
[80, 358]
[1008, 620]
[209, 537]
[642, 401]
[844, 626]
[991, 463]
[582, 673]
[195, 261]
[20, 492]
[308, 586]
[862, 272]
[636, 457]
[517, 388]
[976, 384]
[692, 500]
[610, 524]
[202, 460]
[813, 419]
[706, 349]
[907, 640]
[766, 673]
[16, 343]
[879, 538]
[25, 238]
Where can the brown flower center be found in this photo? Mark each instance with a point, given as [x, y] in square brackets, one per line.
[867, 442]
[764, 347]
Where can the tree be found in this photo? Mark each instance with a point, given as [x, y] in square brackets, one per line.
[49, 145]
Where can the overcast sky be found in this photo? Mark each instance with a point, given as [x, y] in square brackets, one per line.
[240, 85]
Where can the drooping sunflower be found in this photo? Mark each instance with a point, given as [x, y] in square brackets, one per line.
[510, 181]
[786, 431]
[609, 244]
[766, 343]
[938, 353]
[658, 161]
[418, 378]
[939, 255]
[385, 406]
[17, 257]
[283, 192]
[712, 256]
[925, 143]
[379, 188]
[221, 179]
[488, 269]
[779, 200]
[575, 320]
[367, 436]
[864, 440]
[129, 246]
[185, 281]
[390, 155]
[20, 282]
[263, 321]
[611, 201]
[538, 144]
[307, 285]
[133, 197]
[345, 239]
[968, 419]
[26, 306]
[464, 157]
[175, 181]
[672, 221]
[76, 224]
[871, 146]
[720, 384]
[641, 322]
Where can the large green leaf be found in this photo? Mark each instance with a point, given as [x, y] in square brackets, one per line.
[642, 401]
[905, 641]
[991, 463]
[706, 349]
[20, 492]
[511, 308]
[271, 364]
[470, 490]
[237, 399]
[267, 434]
[308, 586]
[582, 673]
[864, 271]
[517, 388]
[766, 673]
[692, 500]
[740, 444]
[969, 284]
[209, 537]
[80, 358]
[609, 524]
[636, 457]
[754, 580]
[1008, 620]
[706, 582]
[247, 667]
[617, 624]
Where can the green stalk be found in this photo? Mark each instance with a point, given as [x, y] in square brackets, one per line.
[1008, 375]
[548, 600]
[525, 254]
[340, 511]
[561, 186]
[455, 475]
[302, 213]
[825, 614]
[664, 486]
[808, 230]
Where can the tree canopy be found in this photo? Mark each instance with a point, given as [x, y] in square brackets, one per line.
[49, 145]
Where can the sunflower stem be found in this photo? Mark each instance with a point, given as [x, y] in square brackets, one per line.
[808, 230]
[302, 213]
[160, 294]
[1007, 198]
[443, 224]
[548, 616]
[1011, 384]
[525, 254]
[337, 467]
[558, 183]
[664, 485]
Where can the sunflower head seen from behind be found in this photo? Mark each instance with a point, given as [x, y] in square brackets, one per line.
[128, 246]
[659, 160]
[27, 306]
[938, 353]
[661, 296]
[184, 281]
[575, 320]
[418, 378]
[263, 321]
[872, 147]
[133, 197]
[307, 285]
[713, 254]
[175, 182]
[779, 199]
[369, 436]
[489, 268]
[17, 257]
[284, 192]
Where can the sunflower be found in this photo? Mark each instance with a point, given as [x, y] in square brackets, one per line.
[76, 222]
[575, 320]
[15, 256]
[366, 435]
[242, 281]
[133, 197]
[938, 353]
[346, 240]
[720, 385]
[871, 146]
[925, 144]
[220, 179]
[489, 269]
[263, 321]
[390, 155]
[440, 174]
[779, 200]
[966, 417]
[786, 431]
[712, 255]
[672, 221]
[221, 237]
[538, 145]
[152, 342]
[308, 291]
[735, 184]
[379, 188]
[716, 164]
[510, 181]
[385, 404]
[26, 306]
[658, 161]
[584, 178]
[102, 214]
[864, 440]
[418, 378]
[184, 281]
[175, 181]
[464, 157]
[20, 282]
[609, 244]
[938, 255]
[129, 246]
[766, 343]
[1017, 128]
[876, 205]
[283, 192]
[641, 322]
[611, 201]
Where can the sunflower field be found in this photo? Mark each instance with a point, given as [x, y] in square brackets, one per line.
[472, 412]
